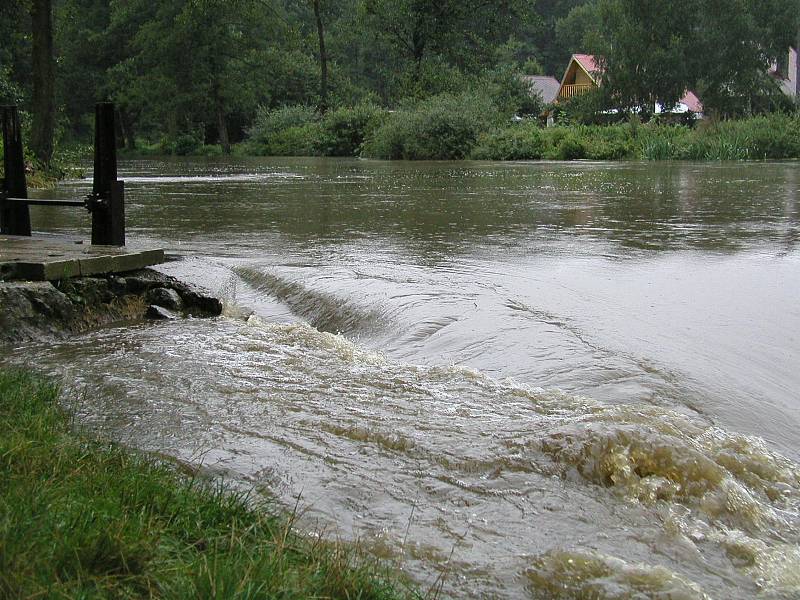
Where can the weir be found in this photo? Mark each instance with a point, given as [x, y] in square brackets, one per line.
[23, 256]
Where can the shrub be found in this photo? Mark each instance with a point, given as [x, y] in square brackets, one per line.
[523, 141]
[186, 144]
[301, 140]
[344, 129]
[270, 126]
[443, 127]
[571, 147]
[609, 143]
[657, 148]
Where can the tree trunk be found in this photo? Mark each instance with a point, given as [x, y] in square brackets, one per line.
[222, 124]
[44, 103]
[323, 60]
[127, 129]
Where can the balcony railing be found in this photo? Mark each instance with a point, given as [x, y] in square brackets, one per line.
[574, 89]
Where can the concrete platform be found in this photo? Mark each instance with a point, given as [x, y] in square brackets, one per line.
[50, 258]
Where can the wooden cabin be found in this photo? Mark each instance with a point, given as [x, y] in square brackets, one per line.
[584, 74]
[580, 77]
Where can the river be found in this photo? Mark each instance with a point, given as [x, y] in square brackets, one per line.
[513, 379]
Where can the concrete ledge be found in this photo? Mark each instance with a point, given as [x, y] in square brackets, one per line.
[49, 259]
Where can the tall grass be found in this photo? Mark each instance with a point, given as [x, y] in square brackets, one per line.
[87, 519]
[771, 137]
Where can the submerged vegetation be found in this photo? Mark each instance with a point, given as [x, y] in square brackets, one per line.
[81, 518]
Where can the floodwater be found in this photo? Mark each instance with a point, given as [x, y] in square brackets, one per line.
[523, 380]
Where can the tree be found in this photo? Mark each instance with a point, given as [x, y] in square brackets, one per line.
[643, 54]
[735, 43]
[44, 104]
[652, 51]
[453, 36]
[323, 59]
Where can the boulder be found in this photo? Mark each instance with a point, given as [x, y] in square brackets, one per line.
[165, 297]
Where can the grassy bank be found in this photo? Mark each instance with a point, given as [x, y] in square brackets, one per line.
[452, 127]
[86, 519]
[775, 136]
[65, 164]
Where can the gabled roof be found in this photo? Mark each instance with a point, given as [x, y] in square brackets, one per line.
[545, 85]
[585, 62]
[588, 63]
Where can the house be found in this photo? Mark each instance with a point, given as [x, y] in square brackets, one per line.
[786, 73]
[583, 74]
[545, 86]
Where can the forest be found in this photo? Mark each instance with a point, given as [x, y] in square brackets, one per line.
[381, 78]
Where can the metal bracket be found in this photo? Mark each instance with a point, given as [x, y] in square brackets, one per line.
[95, 202]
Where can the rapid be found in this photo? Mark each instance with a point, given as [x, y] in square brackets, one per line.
[516, 380]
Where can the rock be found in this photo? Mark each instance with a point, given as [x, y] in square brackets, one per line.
[88, 291]
[29, 309]
[37, 310]
[118, 285]
[160, 313]
[139, 285]
[201, 304]
[165, 297]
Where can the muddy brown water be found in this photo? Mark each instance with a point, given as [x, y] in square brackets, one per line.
[525, 379]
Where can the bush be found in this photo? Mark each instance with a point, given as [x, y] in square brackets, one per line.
[301, 140]
[521, 141]
[344, 129]
[186, 144]
[443, 127]
[657, 148]
[270, 133]
[570, 147]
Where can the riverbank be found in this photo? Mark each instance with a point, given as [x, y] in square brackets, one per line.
[450, 130]
[83, 517]
[34, 309]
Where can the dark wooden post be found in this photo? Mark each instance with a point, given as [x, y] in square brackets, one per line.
[15, 218]
[108, 194]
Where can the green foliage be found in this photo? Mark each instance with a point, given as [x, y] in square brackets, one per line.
[187, 143]
[443, 127]
[766, 137]
[591, 108]
[86, 519]
[285, 131]
[345, 129]
[271, 122]
[179, 67]
[653, 51]
[522, 141]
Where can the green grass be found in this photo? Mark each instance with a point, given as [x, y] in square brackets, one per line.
[80, 518]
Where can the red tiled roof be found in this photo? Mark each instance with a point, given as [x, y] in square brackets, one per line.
[588, 62]
[692, 102]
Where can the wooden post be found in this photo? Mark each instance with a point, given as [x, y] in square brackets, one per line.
[15, 218]
[108, 206]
